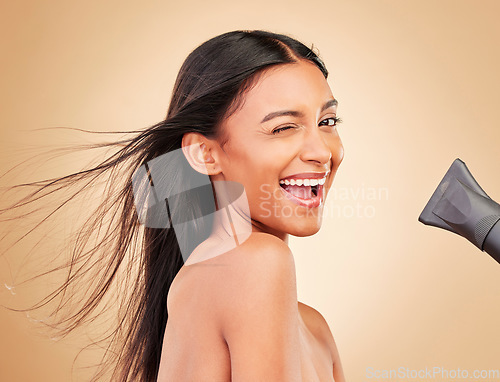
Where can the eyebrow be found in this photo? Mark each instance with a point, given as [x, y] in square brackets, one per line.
[294, 113]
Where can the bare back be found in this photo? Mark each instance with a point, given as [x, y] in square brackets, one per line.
[195, 348]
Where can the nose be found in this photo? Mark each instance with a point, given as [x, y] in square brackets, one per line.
[315, 147]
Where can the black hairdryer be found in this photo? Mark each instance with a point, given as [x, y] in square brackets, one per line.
[461, 206]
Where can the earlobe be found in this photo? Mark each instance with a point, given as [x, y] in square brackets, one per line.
[197, 150]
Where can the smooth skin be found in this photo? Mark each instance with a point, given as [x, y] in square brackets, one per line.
[233, 313]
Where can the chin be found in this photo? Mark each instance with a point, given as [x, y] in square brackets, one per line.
[305, 230]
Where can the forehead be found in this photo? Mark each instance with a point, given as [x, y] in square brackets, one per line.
[297, 85]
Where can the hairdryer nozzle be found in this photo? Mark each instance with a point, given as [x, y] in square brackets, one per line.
[461, 206]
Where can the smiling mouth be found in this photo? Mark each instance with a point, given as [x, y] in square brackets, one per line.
[304, 192]
[302, 188]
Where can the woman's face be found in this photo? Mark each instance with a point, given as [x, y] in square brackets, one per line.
[280, 141]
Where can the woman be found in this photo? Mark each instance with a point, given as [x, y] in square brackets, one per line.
[245, 157]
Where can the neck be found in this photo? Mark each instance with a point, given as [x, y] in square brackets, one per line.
[232, 223]
[232, 218]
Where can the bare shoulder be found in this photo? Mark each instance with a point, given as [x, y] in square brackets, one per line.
[262, 259]
[320, 328]
[261, 266]
[258, 255]
[259, 320]
[265, 244]
[316, 323]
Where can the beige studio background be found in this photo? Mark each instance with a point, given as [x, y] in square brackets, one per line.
[418, 86]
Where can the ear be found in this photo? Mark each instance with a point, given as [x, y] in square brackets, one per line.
[199, 152]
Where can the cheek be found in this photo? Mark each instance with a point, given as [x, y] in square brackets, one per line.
[337, 150]
[340, 155]
[260, 178]
[248, 167]
[234, 160]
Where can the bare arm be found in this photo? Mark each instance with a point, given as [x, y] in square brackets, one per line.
[338, 372]
[321, 329]
[260, 319]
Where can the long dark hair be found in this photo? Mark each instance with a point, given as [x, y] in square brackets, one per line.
[134, 258]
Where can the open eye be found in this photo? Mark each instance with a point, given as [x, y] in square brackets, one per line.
[333, 121]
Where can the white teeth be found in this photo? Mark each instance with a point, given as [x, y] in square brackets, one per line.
[303, 182]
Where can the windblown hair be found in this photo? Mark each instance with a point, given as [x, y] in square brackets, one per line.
[209, 87]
